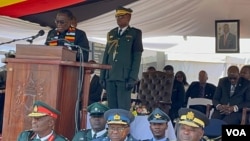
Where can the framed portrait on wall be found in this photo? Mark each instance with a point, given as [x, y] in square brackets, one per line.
[227, 33]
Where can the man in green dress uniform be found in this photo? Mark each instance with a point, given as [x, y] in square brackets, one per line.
[97, 122]
[43, 122]
[123, 52]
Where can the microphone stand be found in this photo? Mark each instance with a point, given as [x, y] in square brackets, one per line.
[28, 39]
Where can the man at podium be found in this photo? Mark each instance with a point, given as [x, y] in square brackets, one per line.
[66, 35]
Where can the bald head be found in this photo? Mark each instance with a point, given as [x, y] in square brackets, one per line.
[233, 74]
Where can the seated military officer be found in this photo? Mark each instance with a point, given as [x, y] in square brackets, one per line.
[158, 125]
[97, 122]
[191, 125]
[43, 122]
[118, 121]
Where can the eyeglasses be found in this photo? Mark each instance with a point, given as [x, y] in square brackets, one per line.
[232, 78]
[119, 129]
[60, 22]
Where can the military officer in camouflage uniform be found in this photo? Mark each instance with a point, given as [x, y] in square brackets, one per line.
[158, 125]
[123, 52]
[118, 121]
[97, 122]
[43, 122]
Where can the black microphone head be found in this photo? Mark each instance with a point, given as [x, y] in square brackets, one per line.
[41, 32]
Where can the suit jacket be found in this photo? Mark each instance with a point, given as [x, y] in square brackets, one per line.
[80, 39]
[241, 96]
[177, 98]
[123, 53]
[194, 90]
[230, 42]
[95, 90]
[86, 135]
[30, 135]
[129, 138]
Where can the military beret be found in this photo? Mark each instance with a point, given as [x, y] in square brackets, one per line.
[97, 109]
[122, 11]
[158, 116]
[192, 118]
[42, 109]
[118, 116]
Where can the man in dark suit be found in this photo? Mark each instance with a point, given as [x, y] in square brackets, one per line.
[227, 40]
[231, 95]
[200, 89]
[66, 35]
[95, 89]
[123, 52]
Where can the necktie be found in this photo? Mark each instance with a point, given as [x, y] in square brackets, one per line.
[94, 137]
[225, 40]
[120, 32]
[202, 91]
[232, 90]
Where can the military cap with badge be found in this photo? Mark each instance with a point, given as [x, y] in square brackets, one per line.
[41, 109]
[97, 109]
[192, 118]
[158, 116]
[122, 11]
[119, 116]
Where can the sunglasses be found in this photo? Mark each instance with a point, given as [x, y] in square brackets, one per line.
[60, 21]
[232, 78]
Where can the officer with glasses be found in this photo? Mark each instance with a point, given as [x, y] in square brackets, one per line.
[231, 95]
[118, 121]
[67, 35]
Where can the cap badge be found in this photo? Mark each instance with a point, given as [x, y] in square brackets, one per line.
[35, 109]
[96, 109]
[117, 117]
[190, 115]
[157, 116]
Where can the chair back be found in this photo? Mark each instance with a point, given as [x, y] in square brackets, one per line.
[201, 101]
[156, 90]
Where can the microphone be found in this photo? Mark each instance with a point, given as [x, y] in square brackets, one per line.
[40, 33]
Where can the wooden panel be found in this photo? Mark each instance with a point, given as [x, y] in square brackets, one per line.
[54, 84]
[45, 52]
[52, 81]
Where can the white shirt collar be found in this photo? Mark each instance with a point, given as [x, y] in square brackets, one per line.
[44, 138]
[98, 134]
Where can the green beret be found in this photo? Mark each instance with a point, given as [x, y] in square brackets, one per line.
[158, 116]
[192, 118]
[97, 109]
[42, 109]
[122, 11]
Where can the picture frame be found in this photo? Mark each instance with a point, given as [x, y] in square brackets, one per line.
[229, 42]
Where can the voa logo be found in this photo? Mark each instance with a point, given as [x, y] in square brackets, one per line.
[236, 132]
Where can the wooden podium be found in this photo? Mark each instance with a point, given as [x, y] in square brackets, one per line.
[48, 77]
